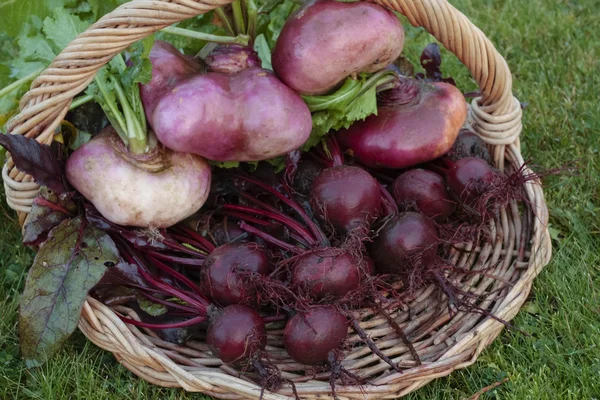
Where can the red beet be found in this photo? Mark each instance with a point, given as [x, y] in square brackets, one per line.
[220, 277]
[407, 242]
[427, 190]
[310, 336]
[327, 272]
[415, 123]
[347, 197]
[236, 334]
[468, 178]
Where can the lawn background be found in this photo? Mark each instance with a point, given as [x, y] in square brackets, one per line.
[553, 50]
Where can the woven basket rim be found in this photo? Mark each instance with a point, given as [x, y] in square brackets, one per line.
[496, 117]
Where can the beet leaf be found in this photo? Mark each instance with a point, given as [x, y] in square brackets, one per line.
[49, 209]
[38, 160]
[68, 265]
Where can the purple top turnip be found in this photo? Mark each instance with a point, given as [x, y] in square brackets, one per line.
[416, 122]
[129, 177]
[325, 41]
[248, 115]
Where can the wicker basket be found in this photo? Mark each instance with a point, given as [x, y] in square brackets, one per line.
[519, 248]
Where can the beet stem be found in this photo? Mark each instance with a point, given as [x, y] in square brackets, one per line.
[179, 260]
[168, 303]
[182, 324]
[314, 228]
[274, 215]
[164, 267]
[206, 244]
[268, 238]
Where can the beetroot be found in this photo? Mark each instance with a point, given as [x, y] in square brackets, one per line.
[407, 242]
[427, 190]
[327, 272]
[469, 144]
[220, 277]
[468, 178]
[236, 334]
[319, 45]
[347, 197]
[310, 336]
[416, 122]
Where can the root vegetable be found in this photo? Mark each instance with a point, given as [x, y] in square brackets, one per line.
[319, 45]
[416, 122]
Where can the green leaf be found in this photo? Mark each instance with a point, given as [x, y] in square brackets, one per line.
[150, 307]
[62, 28]
[277, 19]
[264, 52]
[341, 108]
[65, 269]
[15, 13]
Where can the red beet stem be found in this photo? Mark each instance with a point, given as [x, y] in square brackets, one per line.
[182, 324]
[197, 261]
[177, 275]
[167, 303]
[205, 243]
[314, 228]
[276, 216]
[268, 238]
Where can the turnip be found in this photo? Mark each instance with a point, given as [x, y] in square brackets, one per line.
[319, 45]
[248, 115]
[416, 122]
[129, 177]
[426, 190]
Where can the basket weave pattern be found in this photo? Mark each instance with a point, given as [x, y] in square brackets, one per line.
[519, 246]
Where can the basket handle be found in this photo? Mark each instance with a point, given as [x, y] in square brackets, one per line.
[497, 114]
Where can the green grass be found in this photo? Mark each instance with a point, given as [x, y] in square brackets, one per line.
[553, 49]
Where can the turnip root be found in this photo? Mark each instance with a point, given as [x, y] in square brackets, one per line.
[127, 190]
[243, 116]
[319, 45]
[416, 122]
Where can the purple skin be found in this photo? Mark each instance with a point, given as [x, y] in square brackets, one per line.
[310, 336]
[231, 59]
[319, 45]
[406, 242]
[104, 172]
[327, 274]
[347, 197]
[236, 334]
[248, 116]
[168, 67]
[403, 135]
[427, 190]
[468, 178]
[219, 278]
